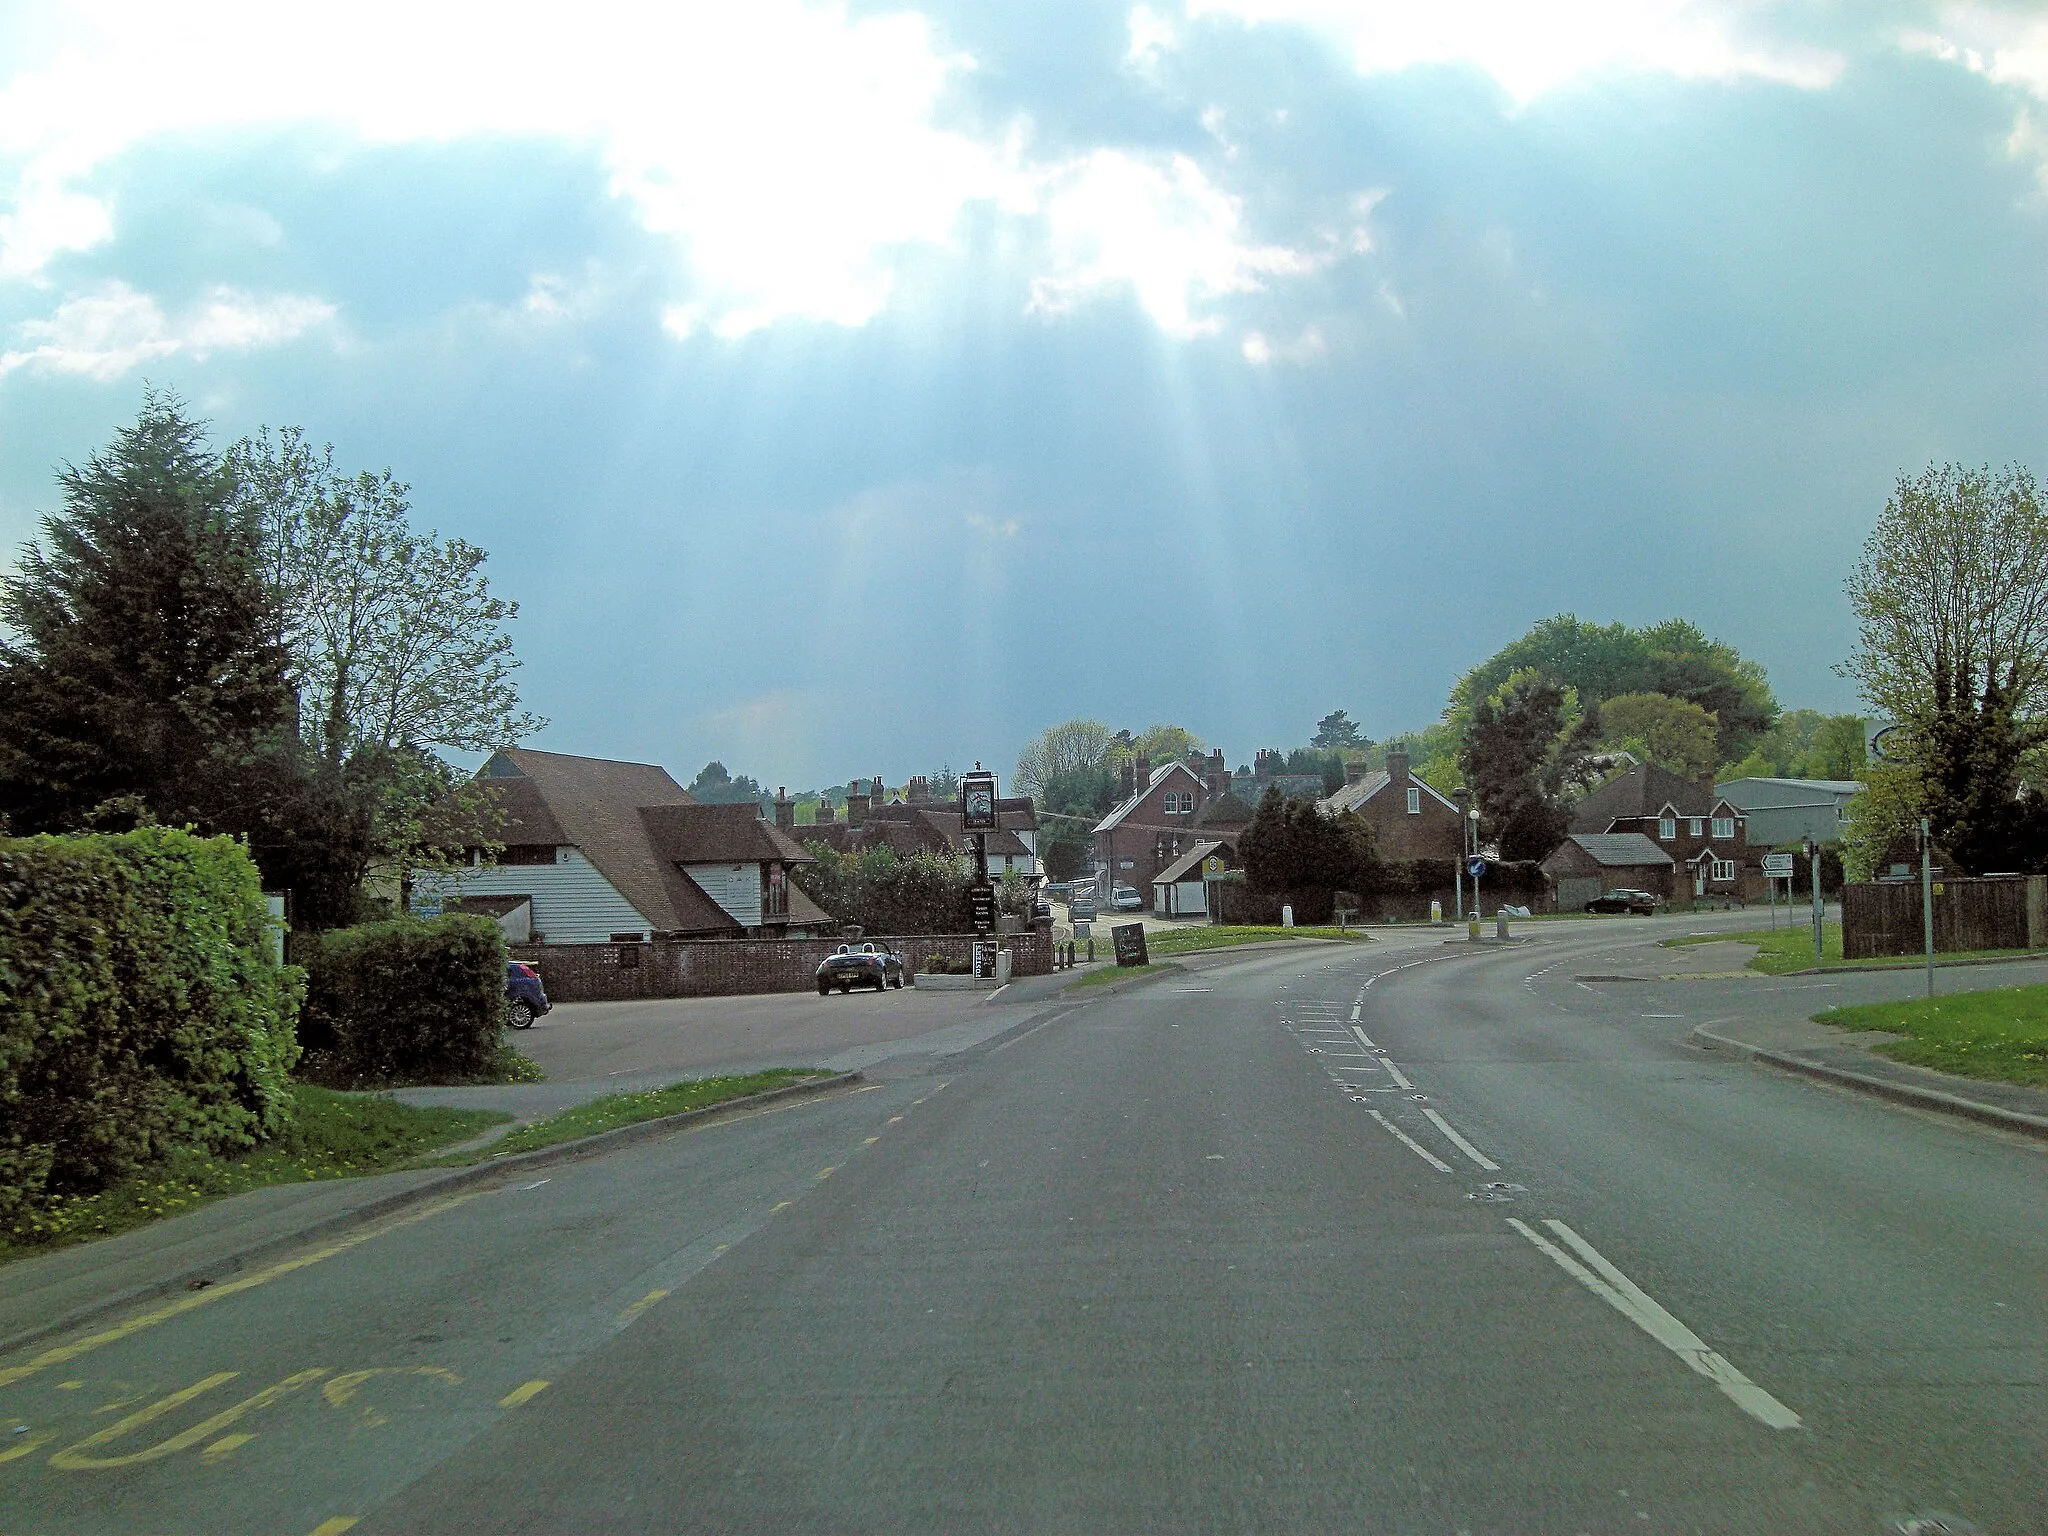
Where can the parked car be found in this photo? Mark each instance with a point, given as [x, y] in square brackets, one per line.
[1125, 898]
[1621, 899]
[1080, 908]
[867, 966]
[1040, 907]
[525, 998]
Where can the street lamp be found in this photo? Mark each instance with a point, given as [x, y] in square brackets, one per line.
[1472, 818]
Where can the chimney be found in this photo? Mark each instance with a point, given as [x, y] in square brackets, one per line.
[919, 791]
[823, 815]
[1143, 772]
[1262, 765]
[1130, 779]
[1355, 770]
[881, 794]
[785, 808]
[1397, 762]
[1707, 788]
[856, 804]
[1219, 775]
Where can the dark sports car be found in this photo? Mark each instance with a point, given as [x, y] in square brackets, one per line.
[1624, 900]
[866, 966]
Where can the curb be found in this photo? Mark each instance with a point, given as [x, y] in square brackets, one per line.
[1881, 1087]
[458, 1178]
[1111, 988]
[1912, 965]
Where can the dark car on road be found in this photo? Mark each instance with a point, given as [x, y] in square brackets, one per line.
[525, 998]
[1622, 899]
[867, 966]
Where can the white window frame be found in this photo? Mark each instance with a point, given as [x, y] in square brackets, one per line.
[1667, 828]
[1414, 801]
[1723, 871]
[1724, 826]
[1695, 826]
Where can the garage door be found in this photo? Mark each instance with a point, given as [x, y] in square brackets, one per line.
[1573, 894]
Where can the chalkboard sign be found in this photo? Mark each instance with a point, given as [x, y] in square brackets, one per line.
[1130, 944]
[981, 906]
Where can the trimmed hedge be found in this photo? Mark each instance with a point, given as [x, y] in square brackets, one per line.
[405, 1000]
[141, 1010]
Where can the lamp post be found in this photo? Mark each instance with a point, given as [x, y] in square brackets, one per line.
[1472, 820]
[1461, 795]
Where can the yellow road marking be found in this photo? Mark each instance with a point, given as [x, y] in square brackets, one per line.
[871, 1141]
[893, 1119]
[915, 1102]
[780, 1205]
[224, 1446]
[641, 1305]
[525, 1394]
[826, 1173]
[28, 1447]
[345, 1386]
[65, 1353]
[73, 1458]
[335, 1526]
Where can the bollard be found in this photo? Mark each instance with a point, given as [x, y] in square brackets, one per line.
[1472, 928]
[1091, 946]
[1436, 913]
[1500, 925]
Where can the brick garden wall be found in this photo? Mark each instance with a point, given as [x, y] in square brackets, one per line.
[582, 973]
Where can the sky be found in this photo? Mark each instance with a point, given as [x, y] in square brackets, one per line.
[849, 389]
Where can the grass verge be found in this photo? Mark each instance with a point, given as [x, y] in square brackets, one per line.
[617, 1109]
[1113, 973]
[507, 1067]
[332, 1136]
[1781, 951]
[1185, 941]
[2000, 1036]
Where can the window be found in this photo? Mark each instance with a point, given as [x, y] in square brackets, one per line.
[774, 893]
[1724, 826]
[1694, 827]
[1667, 828]
[1724, 871]
[1414, 801]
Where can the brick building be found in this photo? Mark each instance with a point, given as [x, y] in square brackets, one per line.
[1165, 811]
[1705, 835]
[1409, 820]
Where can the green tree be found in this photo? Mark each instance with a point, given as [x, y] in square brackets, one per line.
[143, 658]
[1072, 750]
[1520, 757]
[1671, 733]
[1166, 743]
[715, 786]
[1951, 601]
[1294, 845]
[1337, 731]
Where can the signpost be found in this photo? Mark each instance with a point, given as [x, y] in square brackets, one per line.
[978, 819]
[1813, 864]
[1777, 866]
[1212, 871]
[1130, 944]
[1927, 889]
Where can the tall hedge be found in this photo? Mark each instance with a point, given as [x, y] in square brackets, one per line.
[140, 1007]
[405, 1001]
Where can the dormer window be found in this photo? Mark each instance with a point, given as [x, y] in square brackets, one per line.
[1694, 827]
[1667, 827]
[1724, 826]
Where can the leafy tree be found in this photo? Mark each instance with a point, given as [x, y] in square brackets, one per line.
[885, 894]
[1074, 748]
[143, 659]
[1521, 756]
[1606, 661]
[1167, 743]
[1337, 730]
[1951, 601]
[715, 786]
[1805, 744]
[1671, 733]
[1293, 845]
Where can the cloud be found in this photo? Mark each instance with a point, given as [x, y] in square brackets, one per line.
[1530, 48]
[1261, 350]
[791, 152]
[2004, 45]
[114, 329]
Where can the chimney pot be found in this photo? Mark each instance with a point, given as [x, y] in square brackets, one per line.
[856, 809]
[785, 808]
[1355, 770]
[1143, 770]
[1397, 763]
[1130, 774]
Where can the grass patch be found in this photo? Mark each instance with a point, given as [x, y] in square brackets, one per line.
[617, 1109]
[1183, 941]
[1781, 951]
[332, 1136]
[2000, 1036]
[1114, 973]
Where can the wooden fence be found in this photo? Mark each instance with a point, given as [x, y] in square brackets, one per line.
[1883, 917]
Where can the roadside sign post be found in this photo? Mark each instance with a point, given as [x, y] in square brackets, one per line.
[1212, 872]
[977, 820]
[1777, 866]
[1475, 867]
[1927, 903]
[1813, 866]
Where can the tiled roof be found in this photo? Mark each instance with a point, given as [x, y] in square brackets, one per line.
[1620, 850]
[1642, 791]
[1116, 817]
[1224, 811]
[718, 834]
[1188, 863]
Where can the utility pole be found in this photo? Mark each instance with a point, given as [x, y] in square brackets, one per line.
[1460, 795]
[1927, 903]
[1813, 865]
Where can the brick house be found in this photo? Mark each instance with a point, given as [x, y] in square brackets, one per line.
[1587, 863]
[1409, 820]
[597, 851]
[1165, 811]
[1705, 835]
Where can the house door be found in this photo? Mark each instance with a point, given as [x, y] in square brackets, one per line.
[1699, 878]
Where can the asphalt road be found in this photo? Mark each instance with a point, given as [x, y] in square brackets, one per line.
[1505, 1255]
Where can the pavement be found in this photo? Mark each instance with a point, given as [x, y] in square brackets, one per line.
[1410, 1236]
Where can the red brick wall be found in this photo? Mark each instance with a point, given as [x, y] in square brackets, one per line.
[582, 973]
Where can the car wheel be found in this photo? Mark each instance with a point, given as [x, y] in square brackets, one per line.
[897, 983]
[519, 1014]
[824, 989]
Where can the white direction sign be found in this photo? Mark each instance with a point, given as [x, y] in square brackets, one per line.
[1778, 866]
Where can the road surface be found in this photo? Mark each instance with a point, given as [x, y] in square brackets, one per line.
[1383, 1238]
